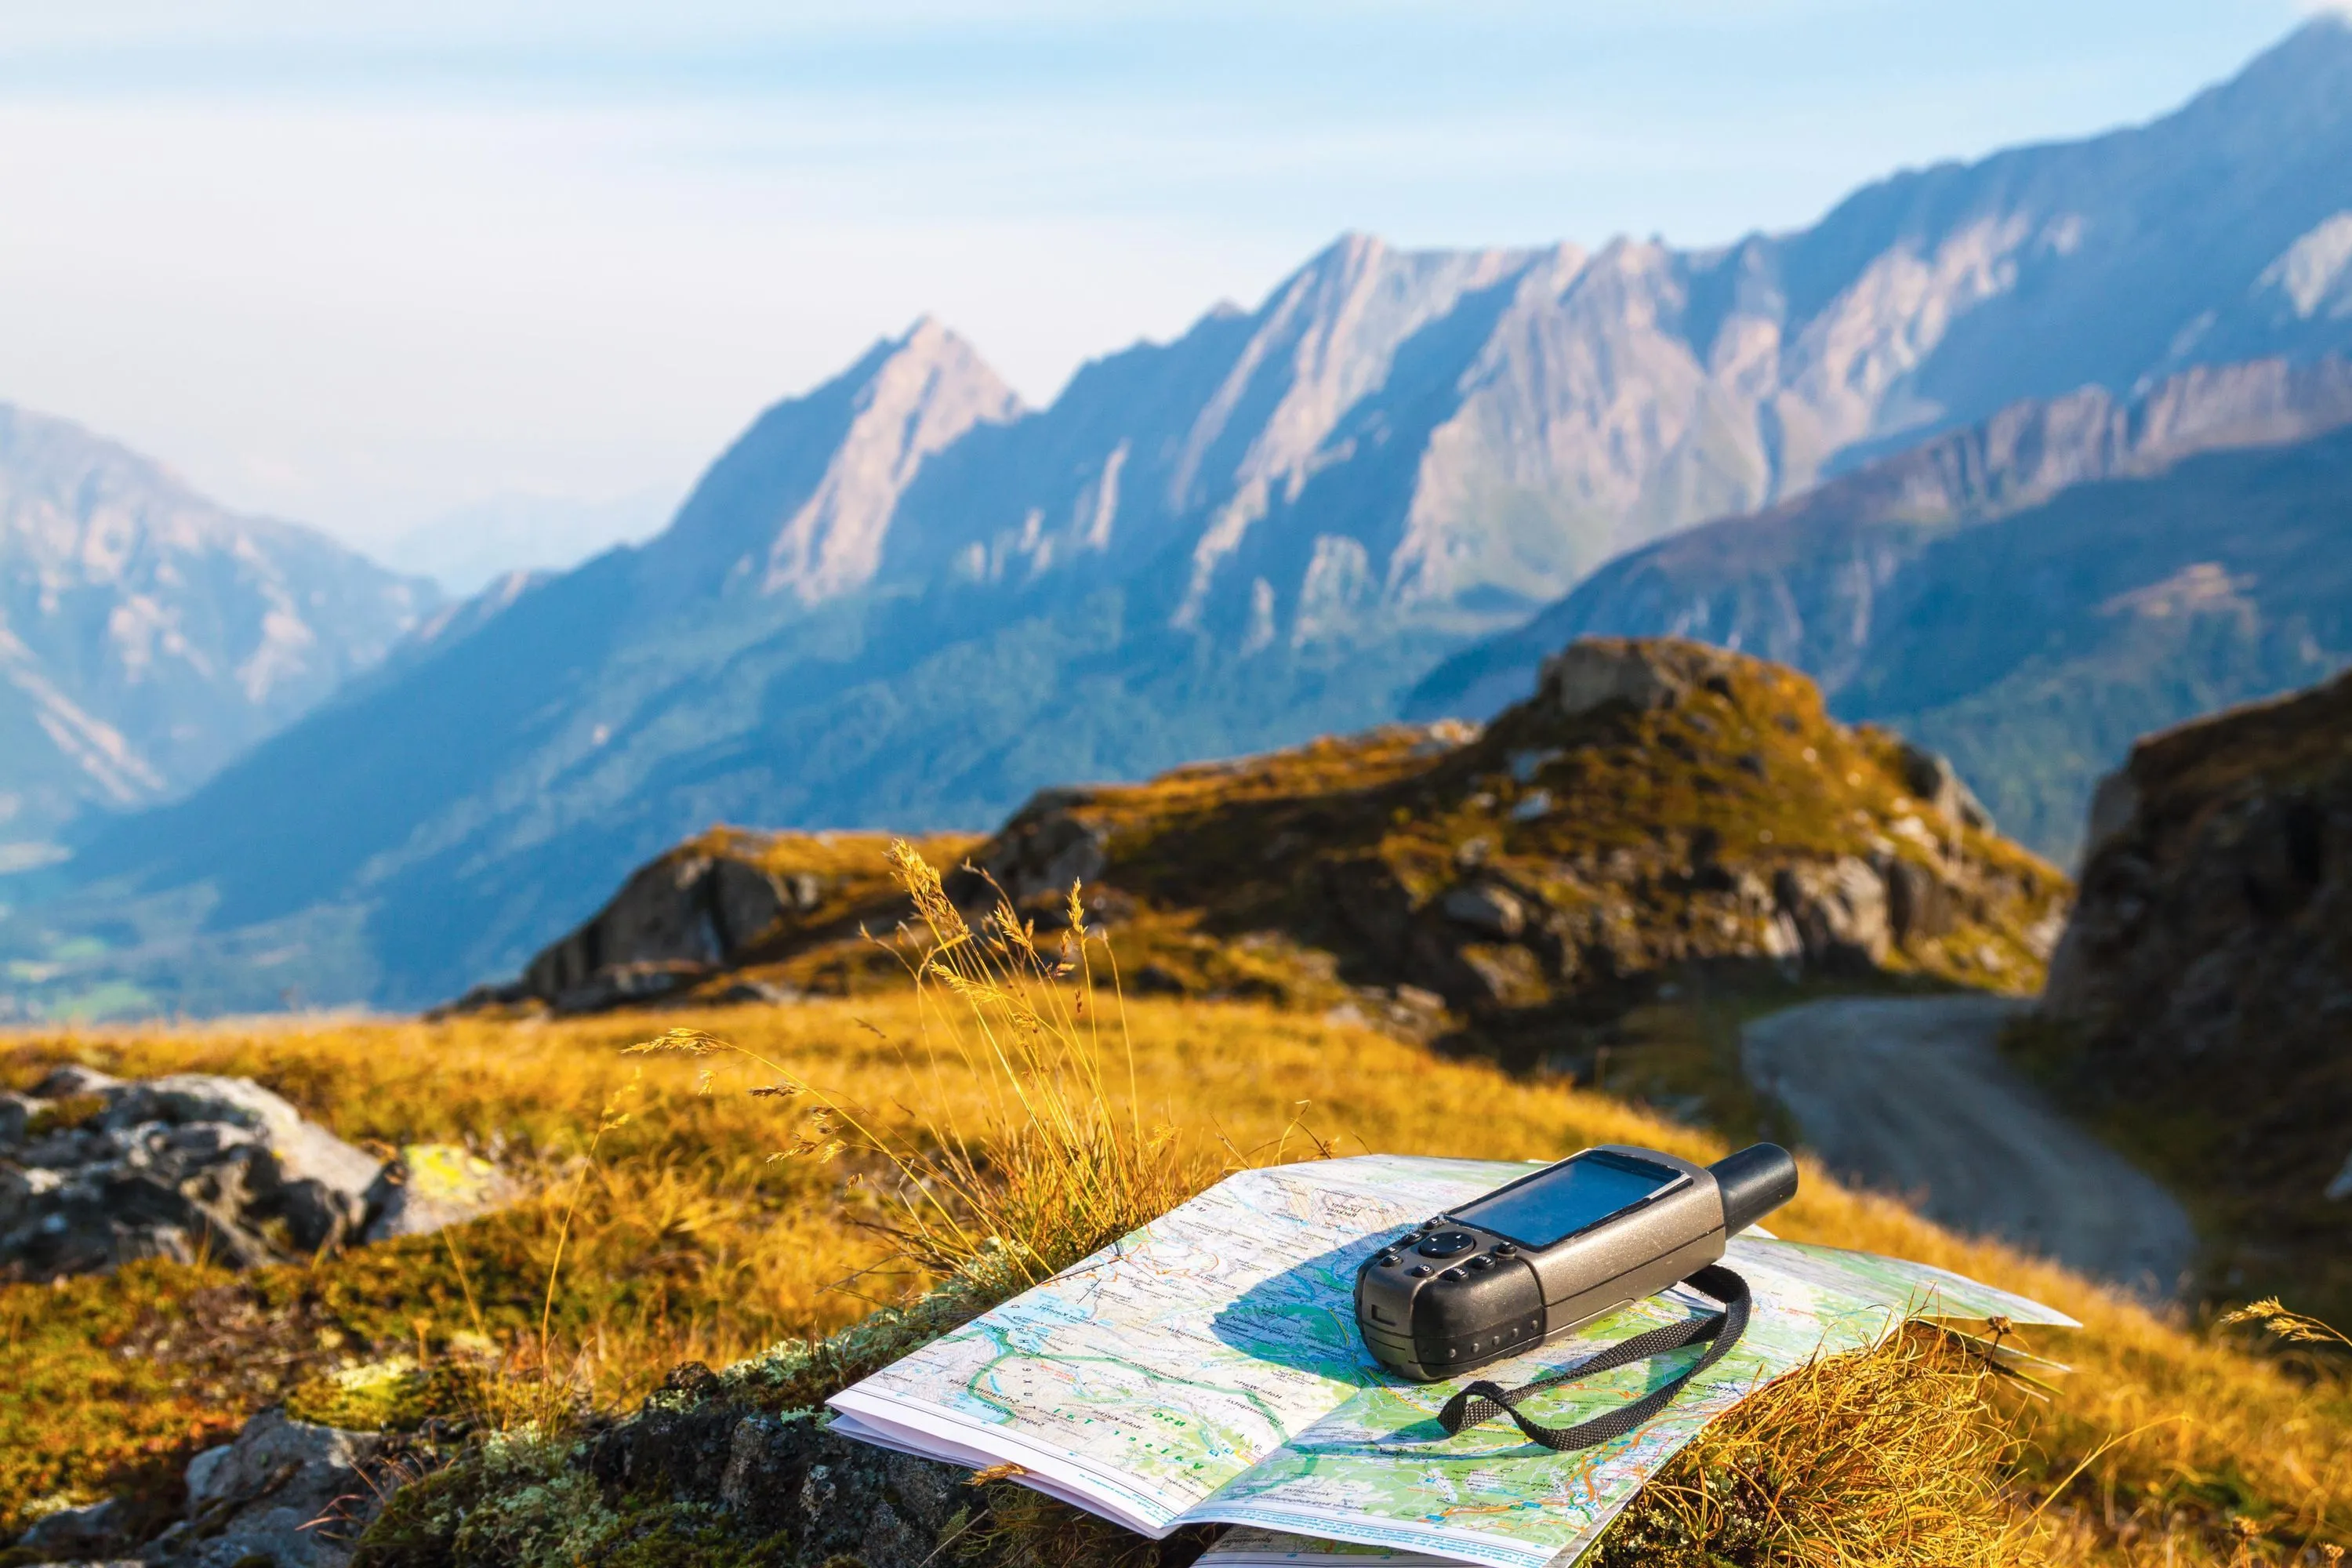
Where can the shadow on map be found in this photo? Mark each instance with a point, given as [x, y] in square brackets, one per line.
[1305, 1318]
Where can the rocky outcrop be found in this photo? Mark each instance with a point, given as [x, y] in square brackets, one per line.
[288, 1492]
[688, 924]
[1049, 845]
[786, 1477]
[2206, 976]
[94, 1172]
[684, 914]
[1655, 804]
[1592, 672]
[283, 1494]
[722, 901]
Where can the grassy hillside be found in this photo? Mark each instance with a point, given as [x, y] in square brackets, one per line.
[1529, 892]
[686, 1242]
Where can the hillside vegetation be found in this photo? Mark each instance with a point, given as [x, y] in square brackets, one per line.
[1662, 837]
[688, 1243]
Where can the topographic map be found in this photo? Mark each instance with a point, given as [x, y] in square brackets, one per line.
[1206, 1370]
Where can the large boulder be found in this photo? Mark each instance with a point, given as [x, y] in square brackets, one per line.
[286, 1493]
[684, 914]
[94, 1172]
[1838, 912]
[283, 1494]
[1050, 844]
[2204, 983]
[76, 1534]
[1640, 672]
[314, 1182]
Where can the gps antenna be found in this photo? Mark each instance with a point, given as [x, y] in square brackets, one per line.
[1754, 1182]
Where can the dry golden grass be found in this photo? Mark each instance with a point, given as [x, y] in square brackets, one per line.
[1893, 1455]
[686, 1239]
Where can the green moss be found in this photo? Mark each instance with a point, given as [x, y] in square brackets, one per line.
[801, 1375]
[395, 1395]
[64, 1115]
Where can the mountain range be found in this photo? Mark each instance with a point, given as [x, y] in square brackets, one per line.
[2029, 594]
[904, 598]
[148, 636]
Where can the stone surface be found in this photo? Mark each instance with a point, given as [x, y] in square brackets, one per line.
[15, 1114]
[1486, 908]
[291, 1493]
[1046, 846]
[179, 1167]
[1838, 911]
[2206, 975]
[63, 1083]
[427, 1186]
[2339, 1190]
[786, 1477]
[676, 919]
[75, 1535]
[1934, 779]
[1644, 673]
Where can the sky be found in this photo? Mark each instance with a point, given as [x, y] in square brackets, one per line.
[368, 265]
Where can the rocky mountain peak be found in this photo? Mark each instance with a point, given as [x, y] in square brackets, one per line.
[1808, 581]
[924, 395]
[801, 504]
[148, 635]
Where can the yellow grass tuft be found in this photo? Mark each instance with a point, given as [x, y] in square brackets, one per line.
[1055, 1159]
[1893, 1455]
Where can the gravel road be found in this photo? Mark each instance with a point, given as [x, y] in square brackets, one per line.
[1909, 1096]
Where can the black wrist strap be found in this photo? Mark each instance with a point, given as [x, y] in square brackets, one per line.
[1482, 1400]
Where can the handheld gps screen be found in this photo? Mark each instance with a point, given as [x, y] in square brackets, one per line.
[1554, 1204]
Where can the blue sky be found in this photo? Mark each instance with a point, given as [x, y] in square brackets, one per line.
[365, 264]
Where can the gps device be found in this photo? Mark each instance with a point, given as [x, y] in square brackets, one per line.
[1555, 1249]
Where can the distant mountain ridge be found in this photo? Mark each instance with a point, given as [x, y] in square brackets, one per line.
[147, 636]
[1958, 591]
[903, 599]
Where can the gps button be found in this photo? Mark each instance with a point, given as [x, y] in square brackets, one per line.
[1447, 1244]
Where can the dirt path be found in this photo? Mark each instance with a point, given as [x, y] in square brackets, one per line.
[1909, 1096]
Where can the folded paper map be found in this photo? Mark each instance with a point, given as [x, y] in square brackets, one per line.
[1206, 1370]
